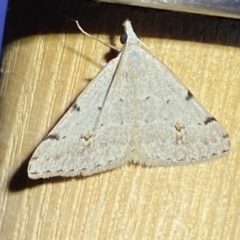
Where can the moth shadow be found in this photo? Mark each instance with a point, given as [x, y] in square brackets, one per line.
[20, 180]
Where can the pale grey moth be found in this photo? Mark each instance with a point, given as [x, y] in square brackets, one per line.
[134, 110]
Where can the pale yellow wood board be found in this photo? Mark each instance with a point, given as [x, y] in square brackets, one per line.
[42, 74]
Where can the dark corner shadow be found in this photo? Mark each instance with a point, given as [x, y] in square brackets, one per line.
[27, 17]
[20, 180]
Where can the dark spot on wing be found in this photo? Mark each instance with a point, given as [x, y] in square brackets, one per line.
[225, 136]
[98, 165]
[52, 137]
[209, 120]
[168, 101]
[189, 96]
[225, 151]
[75, 107]
[99, 108]
[178, 126]
[121, 100]
[87, 136]
[147, 98]
[123, 38]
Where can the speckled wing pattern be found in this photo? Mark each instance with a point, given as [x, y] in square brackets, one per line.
[94, 134]
[171, 127]
[135, 110]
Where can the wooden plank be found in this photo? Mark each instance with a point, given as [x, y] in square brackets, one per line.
[43, 73]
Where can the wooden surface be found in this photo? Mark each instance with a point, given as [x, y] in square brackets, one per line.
[47, 63]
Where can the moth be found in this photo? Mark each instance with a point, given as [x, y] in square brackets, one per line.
[135, 110]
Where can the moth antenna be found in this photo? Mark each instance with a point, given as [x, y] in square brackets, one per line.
[98, 40]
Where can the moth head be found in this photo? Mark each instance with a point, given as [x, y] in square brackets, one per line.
[129, 35]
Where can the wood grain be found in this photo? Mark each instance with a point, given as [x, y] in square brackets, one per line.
[47, 63]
